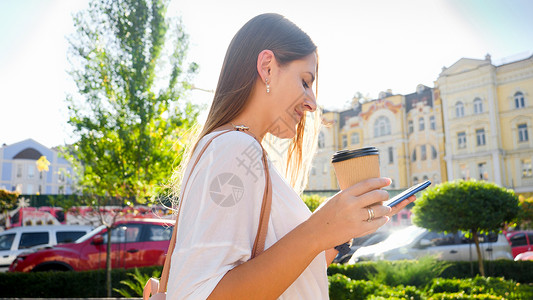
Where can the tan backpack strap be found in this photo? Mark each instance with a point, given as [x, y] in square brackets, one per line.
[260, 238]
[259, 244]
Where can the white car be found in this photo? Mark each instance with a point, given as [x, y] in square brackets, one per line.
[415, 242]
[15, 240]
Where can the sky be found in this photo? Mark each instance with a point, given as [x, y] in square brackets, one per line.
[363, 46]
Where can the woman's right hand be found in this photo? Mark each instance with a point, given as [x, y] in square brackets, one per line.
[344, 216]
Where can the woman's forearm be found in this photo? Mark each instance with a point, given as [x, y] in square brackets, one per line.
[269, 274]
[330, 255]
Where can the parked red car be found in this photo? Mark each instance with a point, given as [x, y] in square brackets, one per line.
[520, 240]
[135, 243]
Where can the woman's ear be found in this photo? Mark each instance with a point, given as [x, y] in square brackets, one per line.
[265, 60]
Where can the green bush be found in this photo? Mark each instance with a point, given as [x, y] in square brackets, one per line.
[342, 287]
[414, 273]
[463, 296]
[520, 271]
[313, 201]
[509, 289]
[358, 271]
[89, 284]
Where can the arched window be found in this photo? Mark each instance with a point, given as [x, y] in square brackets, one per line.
[433, 152]
[425, 177]
[421, 124]
[478, 106]
[459, 109]
[415, 180]
[413, 156]
[354, 138]
[519, 100]
[321, 140]
[432, 124]
[382, 127]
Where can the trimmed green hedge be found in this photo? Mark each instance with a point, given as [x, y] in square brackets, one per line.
[491, 288]
[89, 284]
[520, 271]
[346, 282]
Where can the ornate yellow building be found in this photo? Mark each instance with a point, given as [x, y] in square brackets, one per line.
[476, 123]
[488, 118]
[407, 130]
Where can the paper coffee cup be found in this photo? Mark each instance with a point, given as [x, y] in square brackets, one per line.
[353, 166]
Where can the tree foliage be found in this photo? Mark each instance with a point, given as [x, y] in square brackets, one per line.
[8, 200]
[469, 206]
[525, 216]
[128, 61]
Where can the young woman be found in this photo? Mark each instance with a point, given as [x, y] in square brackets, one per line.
[265, 86]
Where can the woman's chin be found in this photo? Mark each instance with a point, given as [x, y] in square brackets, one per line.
[288, 133]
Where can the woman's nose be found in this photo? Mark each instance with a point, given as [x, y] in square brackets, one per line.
[310, 102]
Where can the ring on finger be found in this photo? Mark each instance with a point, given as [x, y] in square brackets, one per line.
[371, 214]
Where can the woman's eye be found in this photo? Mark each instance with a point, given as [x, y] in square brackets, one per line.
[305, 84]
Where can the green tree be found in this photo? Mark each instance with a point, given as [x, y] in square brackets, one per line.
[475, 207]
[8, 201]
[526, 212]
[129, 118]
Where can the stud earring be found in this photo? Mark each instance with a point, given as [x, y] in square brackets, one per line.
[267, 85]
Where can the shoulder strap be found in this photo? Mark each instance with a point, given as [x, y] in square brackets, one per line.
[259, 244]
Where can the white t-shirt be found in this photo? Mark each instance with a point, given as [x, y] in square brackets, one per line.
[220, 215]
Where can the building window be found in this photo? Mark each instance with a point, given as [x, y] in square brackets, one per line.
[31, 171]
[423, 153]
[483, 174]
[478, 106]
[61, 190]
[355, 138]
[425, 178]
[459, 109]
[421, 124]
[526, 168]
[461, 139]
[19, 171]
[413, 157]
[519, 101]
[480, 137]
[321, 140]
[391, 157]
[40, 189]
[61, 175]
[410, 126]
[522, 133]
[465, 173]
[344, 141]
[415, 180]
[432, 124]
[433, 152]
[382, 127]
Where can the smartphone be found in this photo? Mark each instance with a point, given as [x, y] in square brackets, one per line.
[407, 193]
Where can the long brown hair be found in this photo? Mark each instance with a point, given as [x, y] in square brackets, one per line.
[239, 73]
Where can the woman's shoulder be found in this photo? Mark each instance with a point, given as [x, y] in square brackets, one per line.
[231, 141]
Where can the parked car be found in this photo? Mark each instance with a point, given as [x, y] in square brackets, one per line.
[359, 242]
[520, 240]
[528, 255]
[16, 240]
[135, 243]
[415, 242]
